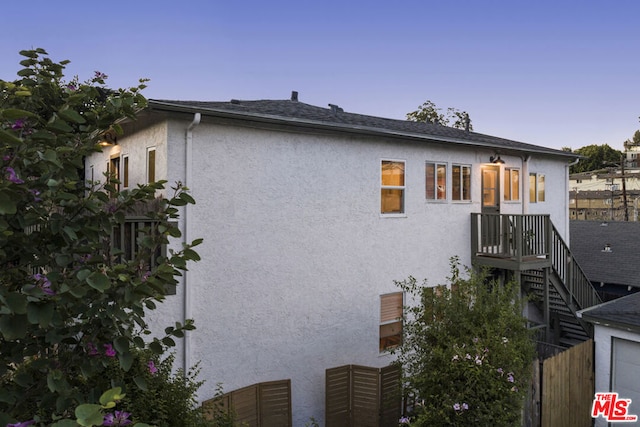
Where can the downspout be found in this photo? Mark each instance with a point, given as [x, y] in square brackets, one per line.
[525, 183]
[186, 239]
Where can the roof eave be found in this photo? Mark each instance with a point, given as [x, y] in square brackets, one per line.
[363, 130]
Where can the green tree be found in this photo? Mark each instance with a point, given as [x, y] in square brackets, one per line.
[635, 141]
[429, 113]
[466, 352]
[596, 157]
[70, 308]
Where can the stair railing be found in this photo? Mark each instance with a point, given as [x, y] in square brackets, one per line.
[579, 288]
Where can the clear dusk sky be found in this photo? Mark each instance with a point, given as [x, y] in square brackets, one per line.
[553, 73]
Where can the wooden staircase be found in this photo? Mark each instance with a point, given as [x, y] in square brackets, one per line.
[530, 245]
[564, 328]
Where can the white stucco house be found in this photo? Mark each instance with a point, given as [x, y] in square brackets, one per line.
[617, 350]
[309, 214]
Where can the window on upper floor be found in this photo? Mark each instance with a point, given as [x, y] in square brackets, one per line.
[461, 182]
[436, 181]
[113, 172]
[511, 184]
[151, 164]
[392, 189]
[536, 188]
[125, 171]
[391, 320]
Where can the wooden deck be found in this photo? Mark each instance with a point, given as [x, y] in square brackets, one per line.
[512, 242]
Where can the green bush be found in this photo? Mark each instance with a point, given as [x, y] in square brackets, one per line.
[467, 352]
[72, 314]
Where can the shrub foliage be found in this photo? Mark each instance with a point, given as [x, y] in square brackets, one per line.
[466, 352]
[72, 313]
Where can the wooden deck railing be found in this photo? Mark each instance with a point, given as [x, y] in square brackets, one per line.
[517, 237]
[527, 238]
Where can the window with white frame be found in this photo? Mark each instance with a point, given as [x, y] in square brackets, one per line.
[151, 164]
[391, 320]
[461, 182]
[536, 187]
[436, 181]
[392, 187]
[511, 184]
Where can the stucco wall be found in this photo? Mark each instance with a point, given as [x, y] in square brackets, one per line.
[603, 338]
[296, 253]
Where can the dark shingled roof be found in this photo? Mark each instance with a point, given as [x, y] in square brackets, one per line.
[622, 313]
[620, 266]
[298, 113]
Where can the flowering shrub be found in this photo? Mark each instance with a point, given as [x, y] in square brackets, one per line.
[70, 311]
[466, 353]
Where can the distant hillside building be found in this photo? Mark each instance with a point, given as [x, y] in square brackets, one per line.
[601, 194]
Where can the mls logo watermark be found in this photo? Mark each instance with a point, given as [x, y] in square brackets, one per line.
[612, 408]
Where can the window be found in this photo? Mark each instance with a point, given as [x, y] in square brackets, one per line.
[461, 182]
[391, 320]
[536, 188]
[540, 188]
[125, 171]
[113, 172]
[392, 187]
[511, 184]
[436, 181]
[151, 164]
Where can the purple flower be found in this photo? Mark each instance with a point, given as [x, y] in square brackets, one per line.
[12, 176]
[92, 350]
[120, 418]
[18, 124]
[109, 351]
[35, 193]
[456, 406]
[22, 424]
[145, 276]
[500, 371]
[465, 406]
[510, 377]
[99, 76]
[404, 420]
[44, 284]
[72, 87]
[152, 367]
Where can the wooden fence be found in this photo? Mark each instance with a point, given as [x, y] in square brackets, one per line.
[265, 404]
[567, 387]
[360, 396]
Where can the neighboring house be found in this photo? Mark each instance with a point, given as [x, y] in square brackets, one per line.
[309, 214]
[609, 254]
[603, 194]
[617, 350]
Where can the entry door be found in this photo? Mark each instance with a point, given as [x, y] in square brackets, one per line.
[490, 224]
[491, 189]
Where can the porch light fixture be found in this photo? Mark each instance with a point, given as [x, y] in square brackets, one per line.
[496, 159]
[107, 139]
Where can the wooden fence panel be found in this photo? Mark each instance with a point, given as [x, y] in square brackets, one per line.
[390, 395]
[244, 403]
[260, 405]
[338, 396]
[365, 401]
[275, 403]
[568, 387]
[361, 396]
